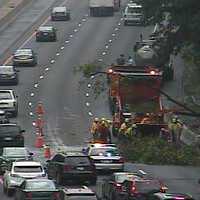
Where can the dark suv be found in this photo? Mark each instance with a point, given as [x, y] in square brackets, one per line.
[71, 166]
[11, 135]
[46, 34]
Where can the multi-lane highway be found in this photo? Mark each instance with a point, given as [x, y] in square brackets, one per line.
[69, 104]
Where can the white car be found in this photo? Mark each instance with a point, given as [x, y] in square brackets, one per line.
[133, 14]
[8, 102]
[106, 158]
[21, 170]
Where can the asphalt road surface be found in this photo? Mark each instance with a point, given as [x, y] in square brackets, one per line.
[68, 104]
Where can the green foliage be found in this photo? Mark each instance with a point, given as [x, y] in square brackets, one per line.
[152, 150]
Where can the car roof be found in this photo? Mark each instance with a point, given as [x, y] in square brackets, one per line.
[134, 5]
[27, 163]
[59, 9]
[80, 190]
[45, 28]
[10, 124]
[23, 51]
[166, 196]
[12, 148]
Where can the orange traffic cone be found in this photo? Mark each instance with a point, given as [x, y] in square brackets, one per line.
[39, 142]
[39, 109]
[47, 152]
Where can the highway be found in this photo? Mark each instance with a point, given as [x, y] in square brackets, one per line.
[68, 104]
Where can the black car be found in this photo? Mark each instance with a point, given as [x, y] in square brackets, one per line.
[8, 75]
[11, 135]
[37, 189]
[24, 57]
[60, 14]
[71, 166]
[140, 189]
[46, 34]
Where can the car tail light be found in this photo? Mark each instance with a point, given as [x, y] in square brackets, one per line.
[121, 160]
[118, 186]
[67, 168]
[56, 195]
[29, 195]
[133, 189]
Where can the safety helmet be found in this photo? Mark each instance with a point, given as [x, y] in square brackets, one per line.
[174, 119]
[134, 125]
[103, 119]
[127, 120]
[109, 121]
[96, 119]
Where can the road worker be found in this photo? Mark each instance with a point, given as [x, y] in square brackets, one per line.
[146, 119]
[94, 128]
[175, 127]
[124, 129]
[104, 131]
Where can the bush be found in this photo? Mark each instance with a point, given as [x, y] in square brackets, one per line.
[151, 150]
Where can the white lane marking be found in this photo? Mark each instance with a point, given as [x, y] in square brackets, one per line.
[29, 103]
[32, 94]
[41, 77]
[79, 24]
[119, 24]
[83, 19]
[90, 114]
[31, 113]
[116, 29]
[52, 61]
[62, 47]
[57, 54]
[100, 59]
[109, 41]
[121, 19]
[113, 34]
[92, 77]
[71, 36]
[1, 180]
[89, 85]
[87, 95]
[66, 41]
[46, 69]
[35, 85]
[75, 30]
[106, 46]
[103, 53]
[87, 104]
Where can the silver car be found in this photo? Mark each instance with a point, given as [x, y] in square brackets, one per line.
[106, 158]
[21, 170]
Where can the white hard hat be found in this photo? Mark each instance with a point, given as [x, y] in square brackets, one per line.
[96, 119]
[127, 120]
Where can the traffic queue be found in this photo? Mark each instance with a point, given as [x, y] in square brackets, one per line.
[27, 178]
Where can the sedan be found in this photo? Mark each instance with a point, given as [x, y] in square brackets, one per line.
[46, 34]
[106, 158]
[24, 57]
[8, 75]
[37, 189]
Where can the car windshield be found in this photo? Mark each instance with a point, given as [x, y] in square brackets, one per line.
[75, 160]
[9, 129]
[5, 95]
[10, 152]
[134, 10]
[104, 152]
[40, 185]
[5, 70]
[28, 169]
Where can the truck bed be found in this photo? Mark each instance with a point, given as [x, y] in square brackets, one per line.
[144, 107]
